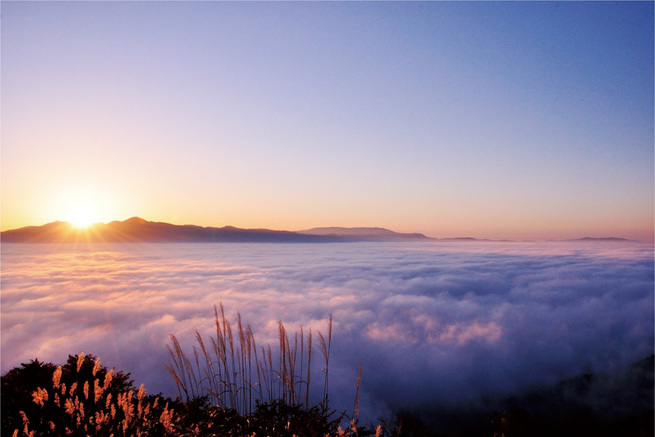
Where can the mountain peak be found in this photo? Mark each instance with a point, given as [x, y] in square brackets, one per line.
[362, 232]
[136, 229]
[136, 220]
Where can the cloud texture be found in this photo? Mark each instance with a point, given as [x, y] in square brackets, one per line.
[431, 322]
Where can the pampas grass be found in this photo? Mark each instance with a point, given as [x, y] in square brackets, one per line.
[237, 374]
[93, 403]
[227, 385]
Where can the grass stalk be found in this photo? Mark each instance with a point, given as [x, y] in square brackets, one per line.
[236, 376]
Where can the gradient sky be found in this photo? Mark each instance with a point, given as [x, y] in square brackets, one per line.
[484, 119]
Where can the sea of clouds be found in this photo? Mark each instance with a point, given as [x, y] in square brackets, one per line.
[430, 322]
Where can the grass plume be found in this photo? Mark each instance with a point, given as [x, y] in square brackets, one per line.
[236, 374]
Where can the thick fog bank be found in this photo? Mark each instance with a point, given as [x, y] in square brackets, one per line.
[431, 322]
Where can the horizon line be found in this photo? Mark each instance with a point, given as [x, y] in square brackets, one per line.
[461, 237]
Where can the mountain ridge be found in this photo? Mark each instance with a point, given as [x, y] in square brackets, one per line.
[137, 229]
[364, 232]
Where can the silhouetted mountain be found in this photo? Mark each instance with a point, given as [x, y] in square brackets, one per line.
[600, 239]
[136, 230]
[464, 239]
[362, 233]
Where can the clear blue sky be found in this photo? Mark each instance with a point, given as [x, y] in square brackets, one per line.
[485, 119]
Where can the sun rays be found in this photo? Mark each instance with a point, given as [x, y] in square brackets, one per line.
[81, 216]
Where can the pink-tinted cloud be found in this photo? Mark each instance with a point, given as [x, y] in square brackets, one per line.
[428, 321]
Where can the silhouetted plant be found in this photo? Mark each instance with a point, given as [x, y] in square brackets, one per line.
[271, 392]
[227, 390]
[79, 398]
[234, 375]
[17, 387]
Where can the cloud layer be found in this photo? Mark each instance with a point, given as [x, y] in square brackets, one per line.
[433, 322]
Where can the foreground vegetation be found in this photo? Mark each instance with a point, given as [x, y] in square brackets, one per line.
[228, 386]
[83, 398]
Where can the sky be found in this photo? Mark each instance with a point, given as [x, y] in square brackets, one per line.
[484, 119]
[433, 322]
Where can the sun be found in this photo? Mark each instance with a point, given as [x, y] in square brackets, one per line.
[81, 216]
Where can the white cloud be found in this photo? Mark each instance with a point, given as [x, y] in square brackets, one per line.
[428, 321]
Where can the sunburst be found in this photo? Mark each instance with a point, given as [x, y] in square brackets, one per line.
[81, 216]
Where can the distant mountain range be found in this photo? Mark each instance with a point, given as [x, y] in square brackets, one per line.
[362, 233]
[138, 230]
[600, 239]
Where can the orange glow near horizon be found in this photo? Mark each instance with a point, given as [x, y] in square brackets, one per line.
[102, 201]
[84, 215]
